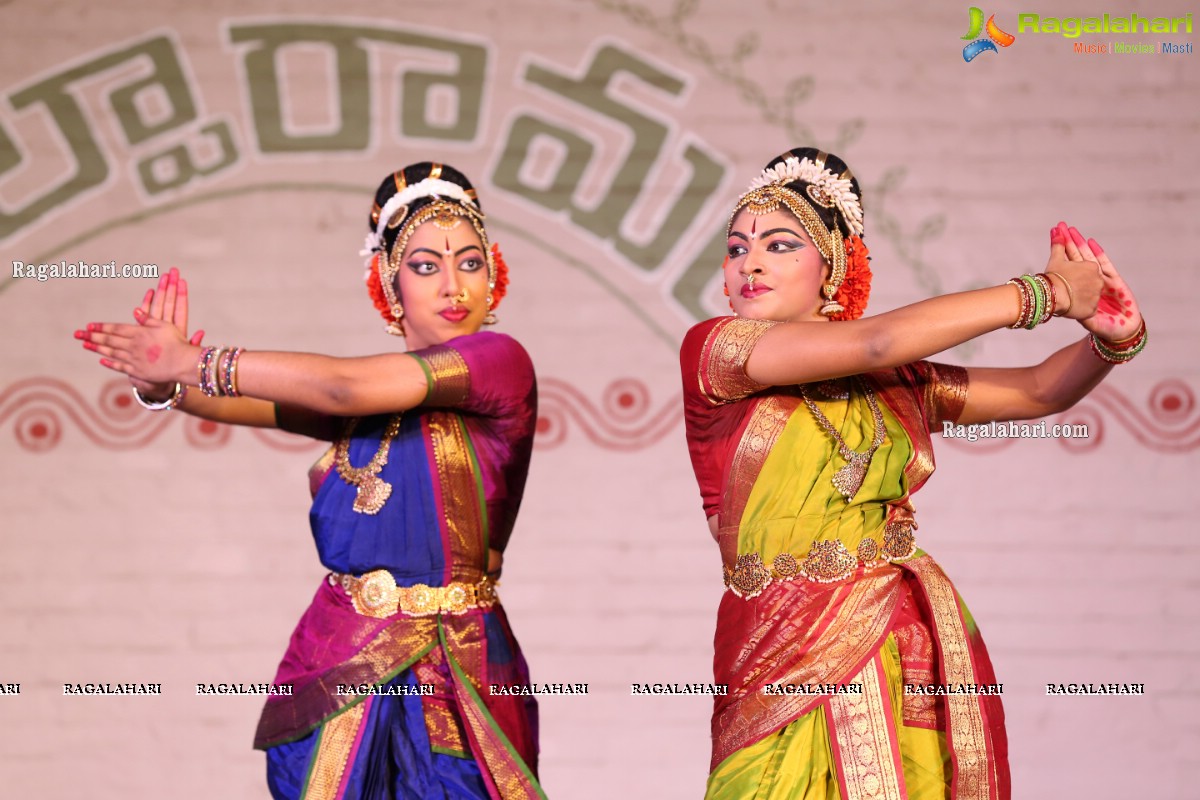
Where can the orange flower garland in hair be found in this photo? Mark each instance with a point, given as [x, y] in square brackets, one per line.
[375, 289]
[501, 287]
[856, 288]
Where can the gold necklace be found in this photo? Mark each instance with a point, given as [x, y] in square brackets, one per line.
[373, 491]
[849, 479]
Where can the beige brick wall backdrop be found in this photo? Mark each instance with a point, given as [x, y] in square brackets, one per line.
[607, 138]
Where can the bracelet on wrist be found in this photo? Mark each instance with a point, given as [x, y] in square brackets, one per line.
[1128, 341]
[229, 383]
[1037, 301]
[1123, 351]
[174, 400]
[1048, 291]
[1070, 294]
[205, 382]
[217, 371]
[1024, 302]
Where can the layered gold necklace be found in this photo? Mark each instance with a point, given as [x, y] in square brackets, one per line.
[373, 491]
[849, 479]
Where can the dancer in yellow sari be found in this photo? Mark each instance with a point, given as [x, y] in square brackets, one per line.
[854, 668]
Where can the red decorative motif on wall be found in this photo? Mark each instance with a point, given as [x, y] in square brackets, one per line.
[38, 408]
[624, 419]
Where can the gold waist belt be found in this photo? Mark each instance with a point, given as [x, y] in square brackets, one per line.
[375, 594]
[827, 561]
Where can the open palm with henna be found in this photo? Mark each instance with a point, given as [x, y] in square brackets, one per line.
[1117, 314]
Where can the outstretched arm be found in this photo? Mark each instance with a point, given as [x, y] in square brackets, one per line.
[156, 354]
[1047, 388]
[154, 351]
[801, 352]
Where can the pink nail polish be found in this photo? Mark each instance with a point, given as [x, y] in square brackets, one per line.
[92, 326]
[89, 345]
[1055, 236]
[1076, 237]
[79, 334]
[1096, 248]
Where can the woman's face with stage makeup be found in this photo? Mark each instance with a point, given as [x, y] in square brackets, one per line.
[773, 270]
[442, 282]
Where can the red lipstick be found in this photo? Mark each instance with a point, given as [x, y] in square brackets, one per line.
[454, 313]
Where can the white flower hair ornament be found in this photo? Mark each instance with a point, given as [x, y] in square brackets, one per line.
[397, 207]
[824, 187]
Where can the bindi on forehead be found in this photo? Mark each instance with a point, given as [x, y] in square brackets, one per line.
[448, 251]
[753, 225]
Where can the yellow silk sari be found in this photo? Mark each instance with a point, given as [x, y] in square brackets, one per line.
[835, 631]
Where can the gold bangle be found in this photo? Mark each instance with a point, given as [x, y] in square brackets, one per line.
[1117, 343]
[1070, 294]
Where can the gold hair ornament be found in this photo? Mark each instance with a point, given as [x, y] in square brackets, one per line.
[768, 198]
[445, 215]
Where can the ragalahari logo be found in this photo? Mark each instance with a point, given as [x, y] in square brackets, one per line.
[995, 36]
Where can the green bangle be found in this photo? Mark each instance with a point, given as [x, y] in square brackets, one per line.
[1039, 301]
[1108, 354]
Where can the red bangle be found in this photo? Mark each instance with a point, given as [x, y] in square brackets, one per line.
[1049, 284]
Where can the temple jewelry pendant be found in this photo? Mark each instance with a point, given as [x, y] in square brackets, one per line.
[372, 493]
[849, 479]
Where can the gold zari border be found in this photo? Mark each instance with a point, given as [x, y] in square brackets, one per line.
[724, 357]
[853, 623]
[767, 421]
[895, 391]
[967, 736]
[503, 766]
[333, 752]
[463, 518]
[864, 730]
[945, 392]
[450, 379]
